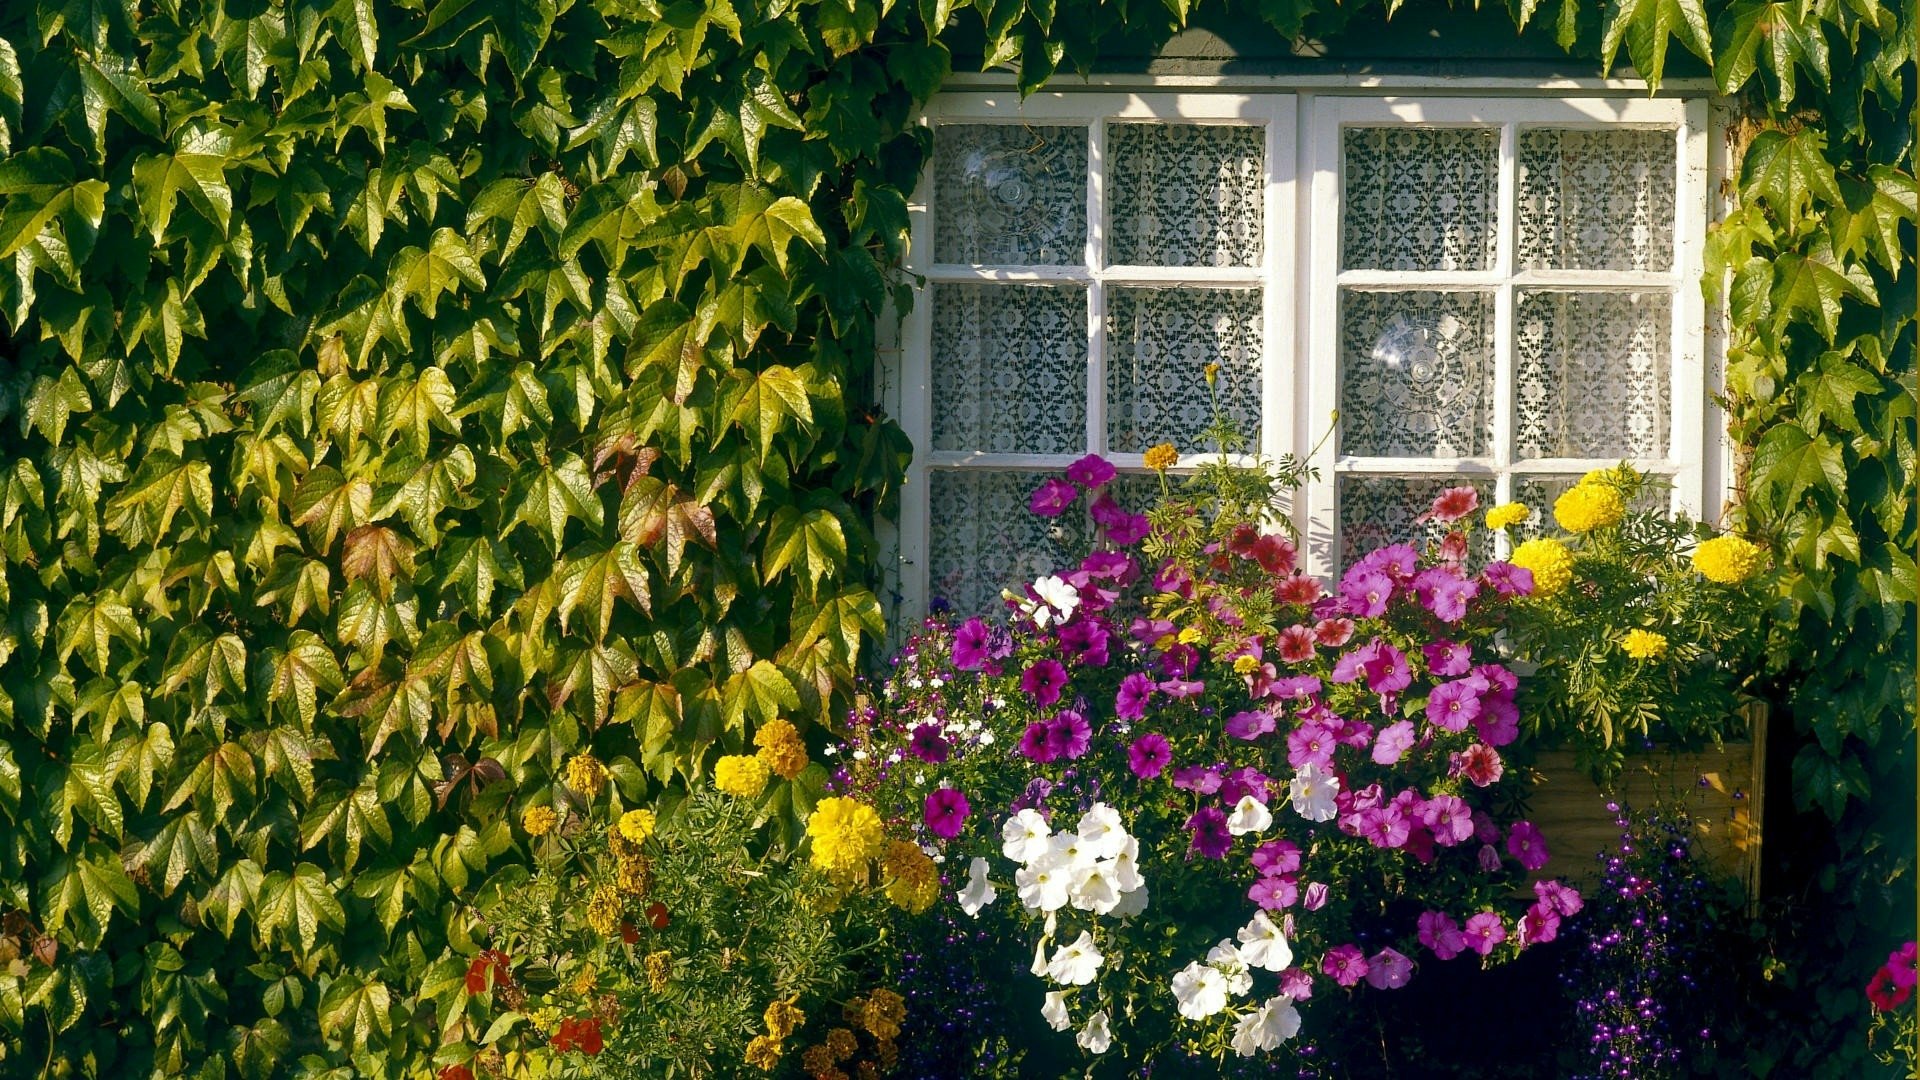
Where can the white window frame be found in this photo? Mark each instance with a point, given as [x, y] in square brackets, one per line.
[1299, 273]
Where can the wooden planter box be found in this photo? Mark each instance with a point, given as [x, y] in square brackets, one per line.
[1721, 788]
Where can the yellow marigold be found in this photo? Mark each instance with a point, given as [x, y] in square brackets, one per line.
[586, 775]
[741, 775]
[1192, 635]
[846, 833]
[886, 1054]
[763, 1053]
[1160, 458]
[783, 1018]
[1508, 514]
[781, 748]
[1244, 665]
[544, 1019]
[913, 882]
[867, 1070]
[582, 984]
[659, 968]
[637, 825]
[603, 910]
[1644, 644]
[841, 1043]
[818, 1061]
[539, 820]
[634, 876]
[1728, 560]
[885, 1011]
[1550, 561]
[1211, 371]
[1586, 507]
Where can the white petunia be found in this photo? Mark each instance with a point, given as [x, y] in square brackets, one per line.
[1262, 945]
[1132, 902]
[1226, 956]
[1024, 836]
[1075, 963]
[1313, 790]
[1096, 1036]
[1126, 867]
[979, 891]
[1200, 990]
[1266, 1027]
[1043, 887]
[1054, 591]
[1054, 1012]
[1101, 831]
[1249, 815]
[1093, 888]
[1068, 850]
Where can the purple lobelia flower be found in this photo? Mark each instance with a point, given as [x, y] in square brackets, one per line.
[946, 812]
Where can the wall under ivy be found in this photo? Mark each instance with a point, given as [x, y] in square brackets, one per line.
[399, 396]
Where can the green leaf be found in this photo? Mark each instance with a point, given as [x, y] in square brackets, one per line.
[328, 504]
[91, 625]
[420, 490]
[654, 511]
[1828, 781]
[184, 845]
[424, 276]
[302, 673]
[414, 408]
[557, 495]
[233, 894]
[1788, 461]
[358, 30]
[1814, 286]
[772, 398]
[813, 541]
[51, 402]
[88, 789]
[1828, 390]
[298, 906]
[762, 691]
[142, 512]
[159, 181]
[1646, 26]
[83, 893]
[1778, 35]
[356, 1013]
[1789, 171]
[596, 580]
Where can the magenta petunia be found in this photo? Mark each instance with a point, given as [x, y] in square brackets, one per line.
[1483, 932]
[1130, 701]
[1562, 899]
[927, 744]
[1173, 578]
[1199, 779]
[1388, 969]
[1384, 827]
[1043, 681]
[1393, 741]
[1539, 925]
[1441, 934]
[1129, 529]
[1345, 964]
[1526, 845]
[1310, 744]
[1276, 857]
[1499, 721]
[1033, 744]
[946, 812]
[1068, 735]
[1315, 896]
[1297, 983]
[1243, 781]
[1368, 592]
[1386, 667]
[1250, 724]
[1448, 818]
[1052, 497]
[1085, 642]
[1293, 687]
[1148, 756]
[1274, 893]
[1453, 705]
[1210, 837]
[1115, 566]
[1397, 561]
[1508, 579]
[1448, 658]
[1092, 471]
[1182, 688]
[1148, 631]
[1444, 592]
[970, 641]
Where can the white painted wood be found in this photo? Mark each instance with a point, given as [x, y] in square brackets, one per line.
[1096, 289]
[1623, 83]
[914, 403]
[1505, 243]
[1691, 442]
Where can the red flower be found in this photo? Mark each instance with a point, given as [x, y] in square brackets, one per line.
[1885, 994]
[456, 1072]
[579, 1033]
[657, 915]
[628, 934]
[1452, 505]
[501, 964]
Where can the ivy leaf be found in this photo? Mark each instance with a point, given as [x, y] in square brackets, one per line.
[589, 678]
[89, 888]
[299, 905]
[666, 339]
[358, 30]
[185, 844]
[142, 512]
[595, 581]
[149, 757]
[413, 409]
[1813, 285]
[1646, 26]
[1779, 35]
[1789, 171]
[1828, 389]
[653, 510]
[378, 555]
[813, 541]
[420, 490]
[772, 227]
[763, 107]
[328, 504]
[762, 690]
[91, 625]
[160, 180]
[1788, 461]
[302, 673]
[51, 402]
[557, 495]
[233, 894]
[1828, 780]
[87, 787]
[1888, 200]
[771, 399]
[843, 619]
[477, 564]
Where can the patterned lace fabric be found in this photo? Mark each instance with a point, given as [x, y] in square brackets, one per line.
[1420, 198]
[1596, 200]
[1591, 375]
[1009, 368]
[1159, 342]
[1416, 373]
[1010, 194]
[1380, 510]
[986, 540]
[1185, 194]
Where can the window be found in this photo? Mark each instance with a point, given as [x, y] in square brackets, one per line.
[1493, 291]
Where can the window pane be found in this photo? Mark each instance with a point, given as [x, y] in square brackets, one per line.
[1379, 510]
[1159, 342]
[1010, 194]
[1416, 373]
[1539, 492]
[1591, 374]
[1420, 198]
[1596, 200]
[1010, 368]
[1185, 194]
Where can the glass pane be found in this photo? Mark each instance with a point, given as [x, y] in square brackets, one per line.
[1185, 194]
[1416, 373]
[1010, 368]
[1010, 194]
[1379, 510]
[1420, 198]
[1596, 200]
[1159, 342]
[985, 539]
[1538, 492]
[1590, 374]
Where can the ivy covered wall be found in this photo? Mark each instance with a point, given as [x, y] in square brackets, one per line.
[399, 396]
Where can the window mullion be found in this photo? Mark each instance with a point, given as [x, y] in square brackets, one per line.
[1096, 257]
[1503, 373]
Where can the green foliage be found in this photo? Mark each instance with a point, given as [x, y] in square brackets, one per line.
[397, 395]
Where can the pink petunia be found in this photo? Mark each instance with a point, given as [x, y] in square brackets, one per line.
[1277, 857]
[1388, 969]
[1393, 741]
[1441, 934]
[1297, 589]
[970, 645]
[1043, 681]
[1274, 892]
[1448, 818]
[1448, 658]
[1539, 925]
[1479, 763]
[1297, 983]
[946, 812]
[1369, 593]
[1250, 724]
[1483, 932]
[1052, 497]
[1560, 898]
[1296, 644]
[1310, 744]
[1451, 505]
[1526, 845]
[1130, 701]
[1315, 896]
[1453, 705]
[1092, 471]
[1345, 964]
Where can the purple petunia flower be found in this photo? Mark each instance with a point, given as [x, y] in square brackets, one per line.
[1092, 471]
[1148, 756]
[1539, 926]
[1440, 933]
[1085, 641]
[1384, 827]
[1068, 735]
[1447, 658]
[1444, 592]
[1199, 779]
[1250, 724]
[1183, 688]
[1043, 681]
[1453, 705]
[1033, 744]
[1449, 819]
[1297, 983]
[1292, 687]
[1115, 566]
[1499, 721]
[1052, 497]
[946, 812]
[1130, 701]
[1386, 669]
[1315, 897]
[1483, 932]
[1561, 899]
[1274, 892]
[928, 744]
[1310, 744]
[1243, 781]
[1394, 741]
[1508, 579]
[1345, 964]
[1388, 969]
[1034, 796]
[1397, 561]
[1210, 837]
[970, 645]
[1526, 845]
[1489, 858]
[1276, 857]
[1367, 592]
